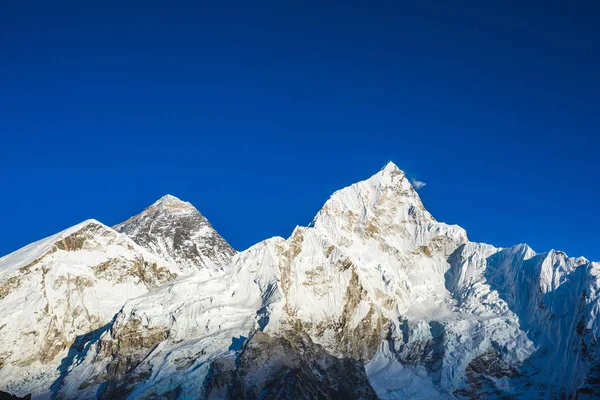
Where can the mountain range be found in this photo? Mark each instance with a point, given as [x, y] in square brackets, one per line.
[374, 299]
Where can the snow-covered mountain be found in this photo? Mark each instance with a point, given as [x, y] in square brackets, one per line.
[178, 233]
[57, 292]
[374, 299]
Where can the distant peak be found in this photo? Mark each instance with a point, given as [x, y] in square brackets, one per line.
[172, 202]
[169, 198]
[168, 204]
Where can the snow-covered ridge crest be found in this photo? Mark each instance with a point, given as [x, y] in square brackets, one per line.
[27, 254]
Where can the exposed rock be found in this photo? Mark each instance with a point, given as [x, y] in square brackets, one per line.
[8, 396]
[177, 232]
[291, 367]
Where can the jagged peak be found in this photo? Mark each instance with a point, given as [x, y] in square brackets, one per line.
[390, 173]
[553, 256]
[525, 250]
[388, 177]
[391, 168]
[557, 254]
[560, 256]
[387, 197]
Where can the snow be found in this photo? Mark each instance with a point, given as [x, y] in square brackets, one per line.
[54, 294]
[374, 239]
[33, 251]
[375, 277]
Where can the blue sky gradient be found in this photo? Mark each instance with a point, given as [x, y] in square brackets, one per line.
[257, 113]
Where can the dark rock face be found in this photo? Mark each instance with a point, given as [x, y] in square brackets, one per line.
[287, 368]
[126, 348]
[481, 373]
[266, 367]
[8, 396]
[591, 387]
[177, 232]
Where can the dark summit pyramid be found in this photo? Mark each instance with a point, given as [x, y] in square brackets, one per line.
[176, 231]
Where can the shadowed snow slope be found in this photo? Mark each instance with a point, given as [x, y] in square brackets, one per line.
[374, 298]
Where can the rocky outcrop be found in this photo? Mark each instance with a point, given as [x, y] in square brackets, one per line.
[8, 396]
[288, 366]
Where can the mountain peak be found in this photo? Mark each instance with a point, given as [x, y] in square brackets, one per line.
[82, 225]
[176, 231]
[173, 203]
[170, 198]
[390, 167]
[390, 174]
[385, 203]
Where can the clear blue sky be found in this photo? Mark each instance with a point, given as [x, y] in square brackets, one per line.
[257, 113]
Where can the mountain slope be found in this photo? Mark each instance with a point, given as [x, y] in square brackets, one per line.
[177, 232]
[55, 294]
[375, 280]
[374, 298]
[58, 288]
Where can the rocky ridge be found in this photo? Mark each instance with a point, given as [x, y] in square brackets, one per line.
[177, 232]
